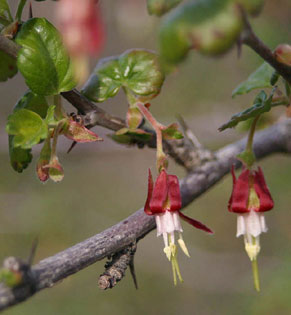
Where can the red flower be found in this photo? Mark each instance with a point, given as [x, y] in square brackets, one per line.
[239, 200]
[165, 197]
[250, 198]
[81, 26]
[164, 202]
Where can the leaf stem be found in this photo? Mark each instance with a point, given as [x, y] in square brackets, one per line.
[249, 146]
[20, 10]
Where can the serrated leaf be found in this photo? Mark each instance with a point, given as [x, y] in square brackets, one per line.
[259, 79]
[262, 104]
[137, 70]
[8, 67]
[27, 127]
[172, 132]
[5, 14]
[19, 158]
[160, 7]
[43, 60]
[208, 26]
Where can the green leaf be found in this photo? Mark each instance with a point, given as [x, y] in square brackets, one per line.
[137, 70]
[8, 67]
[43, 60]
[5, 14]
[262, 104]
[259, 79]
[130, 136]
[208, 26]
[33, 102]
[172, 132]
[19, 158]
[160, 7]
[27, 127]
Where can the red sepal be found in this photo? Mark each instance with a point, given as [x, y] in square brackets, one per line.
[266, 201]
[147, 208]
[195, 223]
[174, 194]
[240, 192]
[160, 194]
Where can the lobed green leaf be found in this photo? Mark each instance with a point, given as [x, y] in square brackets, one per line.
[137, 70]
[27, 127]
[43, 60]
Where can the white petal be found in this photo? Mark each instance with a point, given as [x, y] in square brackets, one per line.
[251, 223]
[241, 227]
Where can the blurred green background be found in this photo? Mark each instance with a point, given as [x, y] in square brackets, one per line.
[105, 182]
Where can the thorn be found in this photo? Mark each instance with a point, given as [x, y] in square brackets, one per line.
[32, 251]
[132, 272]
[30, 11]
[72, 146]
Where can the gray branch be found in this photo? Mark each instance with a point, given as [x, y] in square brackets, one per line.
[51, 270]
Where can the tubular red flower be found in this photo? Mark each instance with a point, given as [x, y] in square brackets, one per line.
[165, 196]
[239, 199]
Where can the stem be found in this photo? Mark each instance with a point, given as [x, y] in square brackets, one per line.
[249, 146]
[55, 139]
[20, 9]
[157, 127]
[256, 274]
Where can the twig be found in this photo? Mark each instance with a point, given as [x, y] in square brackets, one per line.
[249, 38]
[115, 269]
[51, 270]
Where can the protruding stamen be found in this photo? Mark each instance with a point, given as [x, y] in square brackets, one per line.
[167, 251]
[183, 245]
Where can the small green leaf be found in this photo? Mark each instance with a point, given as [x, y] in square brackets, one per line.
[208, 26]
[27, 127]
[130, 136]
[160, 7]
[137, 70]
[262, 104]
[8, 67]
[5, 14]
[259, 79]
[172, 132]
[19, 158]
[43, 60]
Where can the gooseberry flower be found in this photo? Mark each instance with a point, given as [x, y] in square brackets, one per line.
[83, 32]
[250, 198]
[164, 202]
